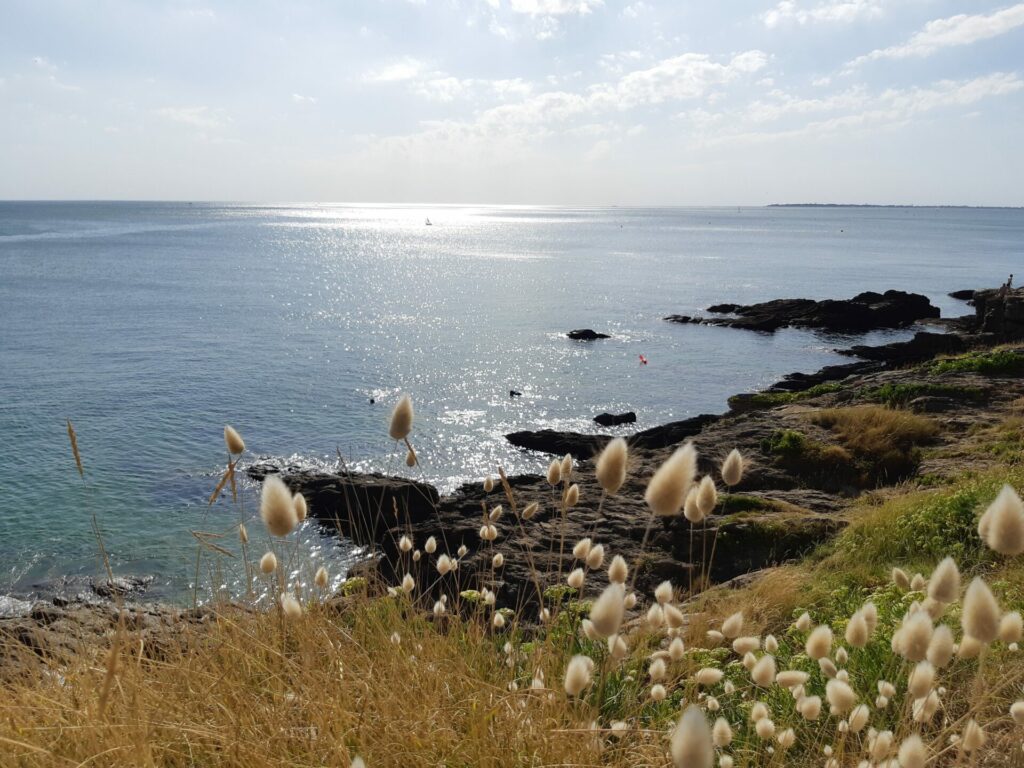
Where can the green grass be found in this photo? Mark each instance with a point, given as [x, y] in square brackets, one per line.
[901, 394]
[770, 399]
[995, 362]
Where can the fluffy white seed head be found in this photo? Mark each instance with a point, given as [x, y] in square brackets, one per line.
[608, 610]
[321, 579]
[611, 466]
[530, 510]
[913, 753]
[233, 440]
[575, 578]
[488, 484]
[691, 511]
[268, 563]
[870, 612]
[721, 733]
[554, 472]
[708, 676]
[630, 601]
[488, 532]
[809, 707]
[691, 744]
[1017, 712]
[408, 583]
[900, 579]
[857, 633]
[786, 739]
[733, 625]
[763, 673]
[674, 618]
[881, 745]
[714, 638]
[276, 506]
[803, 623]
[840, 696]
[431, 546]
[676, 649]
[732, 468]
[914, 636]
[582, 549]
[565, 468]
[758, 712]
[944, 585]
[498, 560]
[707, 496]
[744, 645]
[577, 674]
[969, 647]
[401, 419]
[657, 670]
[921, 679]
[940, 648]
[301, 508]
[655, 617]
[595, 557]
[791, 678]
[668, 488]
[658, 692]
[405, 543]
[243, 534]
[973, 736]
[819, 643]
[618, 570]
[1011, 627]
[617, 647]
[290, 606]
[1002, 525]
[764, 728]
[918, 583]
[981, 614]
[771, 645]
[663, 592]
[572, 496]
[410, 458]
[444, 564]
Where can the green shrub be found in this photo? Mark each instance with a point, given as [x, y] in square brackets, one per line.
[995, 362]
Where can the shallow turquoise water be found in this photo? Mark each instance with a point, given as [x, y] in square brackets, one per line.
[152, 325]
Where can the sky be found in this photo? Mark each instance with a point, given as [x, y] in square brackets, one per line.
[562, 102]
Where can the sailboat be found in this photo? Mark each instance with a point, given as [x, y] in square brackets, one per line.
[428, 223]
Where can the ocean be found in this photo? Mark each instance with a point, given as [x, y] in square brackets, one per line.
[152, 325]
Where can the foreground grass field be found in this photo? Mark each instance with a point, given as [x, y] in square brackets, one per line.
[838, 660]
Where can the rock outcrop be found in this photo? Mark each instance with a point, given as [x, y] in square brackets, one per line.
[866, 311]
[615, 419]
[1000, 313]
[586, 334]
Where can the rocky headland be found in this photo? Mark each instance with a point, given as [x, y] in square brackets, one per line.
[805, 466]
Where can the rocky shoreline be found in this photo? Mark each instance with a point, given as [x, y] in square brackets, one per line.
[781, 510]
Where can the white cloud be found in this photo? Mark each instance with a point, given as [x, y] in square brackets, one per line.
[858, 110]
[554, 7]
[834, 11]
[298, 98]
[406, 68]
[633, 10]
[197, 117]
[953, 31]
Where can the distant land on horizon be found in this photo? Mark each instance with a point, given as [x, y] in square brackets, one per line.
[888, 205]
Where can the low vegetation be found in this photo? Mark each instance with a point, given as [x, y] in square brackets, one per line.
[896, 395]
[835, 661]
[989, 362]
[770, 399]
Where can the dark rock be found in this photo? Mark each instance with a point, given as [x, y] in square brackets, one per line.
[930, 404]
[121, 585]
[1000, 313]
[924, 346]
[864, 312]
[965, 295]
[725, 309]
[586, 334]
[615, 419]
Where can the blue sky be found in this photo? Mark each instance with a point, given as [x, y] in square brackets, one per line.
[514, 101]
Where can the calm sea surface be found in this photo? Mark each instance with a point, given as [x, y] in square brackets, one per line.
[152, 325]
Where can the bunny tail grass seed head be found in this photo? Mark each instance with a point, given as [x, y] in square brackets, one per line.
[940, 647]
[290, 606]
[663, 593]
[1002, 525]
[819, 643]
[668, 488]
[1011, 627]
[565, 468]
[691, 743]
[488, 484]
[732, 468]
[243, 534]
[268, 563]
[582, 549]
[301, 508]
[691, 511]
[944, 585]
[707, 496]
[981, 614]
[607, 611]
[763, 673]
[913, 753]
[554, 472]
[618, 570]
[577, 674]
[721, 733]
[410, 458]
[401, 419]
[857, 632]
[321, 577]
[277, 507]
[575, 578]
[572, 496]
[530, 510]
[900, 579]
[840, 696]
[430, 546]
[595, 557]
[233, 440]
[733, 626]
[611, 466]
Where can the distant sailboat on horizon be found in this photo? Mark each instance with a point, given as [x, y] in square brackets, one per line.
[429, 223]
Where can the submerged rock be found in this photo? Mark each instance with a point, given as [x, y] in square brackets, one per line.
[586, 334]
[615, 419]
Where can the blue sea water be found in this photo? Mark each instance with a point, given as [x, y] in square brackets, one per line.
[151, 325]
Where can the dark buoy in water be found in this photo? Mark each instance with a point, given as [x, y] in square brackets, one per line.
[372, 401]
[514, 393]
